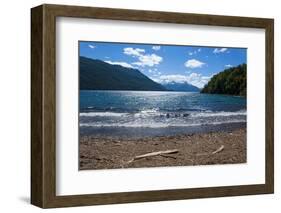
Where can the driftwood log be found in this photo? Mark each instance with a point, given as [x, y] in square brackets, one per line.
[218, 150]
[151, 154]
[221, 148]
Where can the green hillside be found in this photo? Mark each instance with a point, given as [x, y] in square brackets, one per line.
[232, 81]
[99, 75]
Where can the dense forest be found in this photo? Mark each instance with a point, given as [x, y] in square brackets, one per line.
[99, 75]
[232, 81]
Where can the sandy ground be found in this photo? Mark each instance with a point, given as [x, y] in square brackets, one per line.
[192, 149]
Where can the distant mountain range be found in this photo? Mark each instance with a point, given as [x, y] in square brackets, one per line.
[181, 87]
[99, 75]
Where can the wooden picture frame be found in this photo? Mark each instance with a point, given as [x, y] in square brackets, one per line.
[43, 105]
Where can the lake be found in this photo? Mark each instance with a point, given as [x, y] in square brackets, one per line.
[150, 113]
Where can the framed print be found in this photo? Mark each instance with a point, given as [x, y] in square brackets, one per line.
[136, 106]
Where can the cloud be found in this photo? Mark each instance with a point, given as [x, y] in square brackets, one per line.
[219, 50]
[154, 72]
[91, 46]
[143, 59]
[156, 48]
[195, 79]
[148, 60]
[193, 63]
[228, 65]
[133, 52]
[194, 52]
[123, 64]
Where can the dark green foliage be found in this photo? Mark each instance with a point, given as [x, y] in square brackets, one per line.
[98, 75]
[232, 81]
[173, 86]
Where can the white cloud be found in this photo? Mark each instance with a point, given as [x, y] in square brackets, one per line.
[195, 79]
[156, 48]
[91, 46]
[193, 63]
[228, 65]
[154, 72]
[219, 50]
[143, 59]
[123, 64]
[133, 52]
[194, 52]
[148, 60]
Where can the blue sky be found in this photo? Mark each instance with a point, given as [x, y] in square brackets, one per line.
[167, 63]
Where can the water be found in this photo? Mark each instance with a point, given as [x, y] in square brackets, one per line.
[150, 113]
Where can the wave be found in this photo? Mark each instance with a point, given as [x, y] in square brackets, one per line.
[154, 113]
[147, 113]
[140, 114]
[102, 114]
[218, 114]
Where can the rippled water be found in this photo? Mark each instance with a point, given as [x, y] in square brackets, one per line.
[144, 113]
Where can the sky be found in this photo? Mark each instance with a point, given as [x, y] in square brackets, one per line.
[167, 63]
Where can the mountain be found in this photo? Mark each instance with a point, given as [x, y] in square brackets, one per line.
[99, 75]
[232, 81]
[181, 87]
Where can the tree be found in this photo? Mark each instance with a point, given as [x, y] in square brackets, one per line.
[232, 81]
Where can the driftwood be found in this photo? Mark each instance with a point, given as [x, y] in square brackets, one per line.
[218, 150]
[212, 153]
[151, 154]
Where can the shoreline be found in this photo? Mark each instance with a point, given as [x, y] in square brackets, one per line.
[221, 147]
[143, 132]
